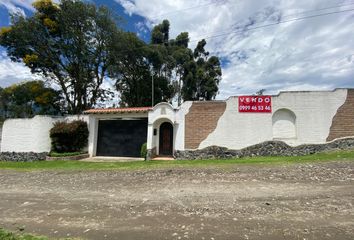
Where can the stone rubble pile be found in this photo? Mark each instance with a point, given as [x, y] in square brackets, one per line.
[268, 148]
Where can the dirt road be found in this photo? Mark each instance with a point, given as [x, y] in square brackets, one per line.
[300, 201]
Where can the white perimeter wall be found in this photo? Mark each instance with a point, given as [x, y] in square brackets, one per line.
[313, 117]
[314, 112]
[30, 134]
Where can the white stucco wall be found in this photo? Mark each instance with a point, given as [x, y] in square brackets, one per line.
[31, 134]
[237, 130]
[180, 119]
[314, 113]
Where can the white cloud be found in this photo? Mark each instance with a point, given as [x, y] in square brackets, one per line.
[12, 72]
[14, 6]
[314, 53]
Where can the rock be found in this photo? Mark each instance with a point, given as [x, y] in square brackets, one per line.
[268, 148]
[22, 156]
[22, 228]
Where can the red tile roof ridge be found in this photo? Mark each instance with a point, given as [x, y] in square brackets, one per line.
[118, 110]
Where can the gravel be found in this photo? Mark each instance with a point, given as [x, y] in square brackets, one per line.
[295, 201]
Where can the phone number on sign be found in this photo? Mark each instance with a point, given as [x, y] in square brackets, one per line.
[255, 108]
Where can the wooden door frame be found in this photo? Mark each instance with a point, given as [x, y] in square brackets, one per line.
[171, 128]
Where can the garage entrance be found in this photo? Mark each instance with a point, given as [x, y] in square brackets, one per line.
[121, 138]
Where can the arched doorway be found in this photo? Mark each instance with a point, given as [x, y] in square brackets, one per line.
[166, 139]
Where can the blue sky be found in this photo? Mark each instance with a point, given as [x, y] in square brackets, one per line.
[129, 22]
[312, 48]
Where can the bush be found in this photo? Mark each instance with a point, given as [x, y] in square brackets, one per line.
[69, 137]
[143, 151]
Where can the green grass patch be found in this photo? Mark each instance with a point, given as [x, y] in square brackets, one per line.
[78, 165]
[7, 235]
[65, 154]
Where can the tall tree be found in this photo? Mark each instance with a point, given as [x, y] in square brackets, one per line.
[69, 43]
[202, 75]
[28, 99]
[134, 70]
[182, 55]
[194, 75]
[161, 33]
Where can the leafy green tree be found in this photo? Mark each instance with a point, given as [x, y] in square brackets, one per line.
[182, 40]
[3, 105]
[133, 70]
[202, 75]
[182, 55]
[160, 33]
[69, 43]
[167, 59]
[193, 75]
[28, 99]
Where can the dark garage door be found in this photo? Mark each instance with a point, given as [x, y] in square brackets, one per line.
[121, 138]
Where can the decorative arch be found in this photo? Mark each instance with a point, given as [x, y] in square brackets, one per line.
[163, 136]
[163, 104]
[284, 124]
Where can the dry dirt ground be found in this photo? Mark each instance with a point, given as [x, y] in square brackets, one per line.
[298, 201]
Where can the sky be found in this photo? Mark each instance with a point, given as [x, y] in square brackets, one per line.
[276, 45]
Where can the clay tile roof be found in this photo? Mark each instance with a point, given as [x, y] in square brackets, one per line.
[118, 110]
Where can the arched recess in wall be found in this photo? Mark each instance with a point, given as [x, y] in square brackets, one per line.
[284, 124]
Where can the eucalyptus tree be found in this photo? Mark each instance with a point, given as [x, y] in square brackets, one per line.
[193, 74]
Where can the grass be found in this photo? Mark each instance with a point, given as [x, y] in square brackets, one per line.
[77, 165]
[7, 235]
[66, 154]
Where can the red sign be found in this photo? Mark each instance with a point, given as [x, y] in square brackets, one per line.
[256, 104]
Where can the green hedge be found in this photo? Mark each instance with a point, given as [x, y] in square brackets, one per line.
[69, 136]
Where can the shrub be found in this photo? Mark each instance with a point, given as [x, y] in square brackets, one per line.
[69, 137]
[143, 151]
